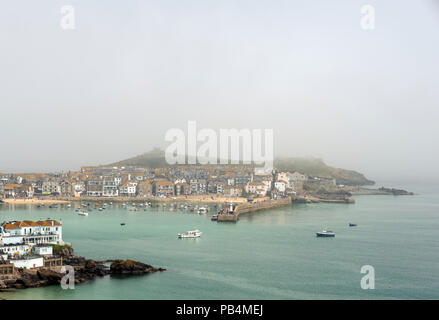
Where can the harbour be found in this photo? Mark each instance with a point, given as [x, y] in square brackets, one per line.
[269, 254]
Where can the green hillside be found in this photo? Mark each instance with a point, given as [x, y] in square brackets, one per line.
[309, 166]
[316, 167]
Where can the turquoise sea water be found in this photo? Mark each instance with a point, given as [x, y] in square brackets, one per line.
[266, 255]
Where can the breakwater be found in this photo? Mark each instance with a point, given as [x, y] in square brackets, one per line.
[252, 207]
[327, 199]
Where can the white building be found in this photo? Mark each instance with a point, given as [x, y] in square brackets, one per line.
[30, 232]
[28, 263]
[258, 188]
[14, 249]
[281, 186]
[128, 189]
[43, 250]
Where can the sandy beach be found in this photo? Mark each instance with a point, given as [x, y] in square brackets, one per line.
[188, 199]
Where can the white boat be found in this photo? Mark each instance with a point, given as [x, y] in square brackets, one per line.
[83, 213]
[325, 233]
[190, 234]
[202, 210]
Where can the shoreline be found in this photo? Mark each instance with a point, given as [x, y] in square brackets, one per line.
[180, 199]
[85, 270]
[33, 201]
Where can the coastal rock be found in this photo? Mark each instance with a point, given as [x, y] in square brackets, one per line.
[131, 267]
[85, 269]
[49, 276]
[64, 251]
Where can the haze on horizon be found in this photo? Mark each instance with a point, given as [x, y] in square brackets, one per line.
[110, 89]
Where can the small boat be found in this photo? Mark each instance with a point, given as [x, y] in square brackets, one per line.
[203, 210]
[214, 217]
[101, 209]
[83, 213]
[123, 223]
[352, 224]
[325, 233]
[190, 234]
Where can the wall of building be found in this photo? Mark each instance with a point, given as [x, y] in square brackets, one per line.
[28, 263]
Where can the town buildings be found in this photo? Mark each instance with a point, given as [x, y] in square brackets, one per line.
[179, 180]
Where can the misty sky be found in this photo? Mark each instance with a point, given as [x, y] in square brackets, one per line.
[360, 99]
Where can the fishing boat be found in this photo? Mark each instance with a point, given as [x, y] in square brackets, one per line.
[325, 233]
[190, 234]
[83, 213]
[352, 224]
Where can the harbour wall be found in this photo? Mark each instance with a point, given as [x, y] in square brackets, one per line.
[252, 207]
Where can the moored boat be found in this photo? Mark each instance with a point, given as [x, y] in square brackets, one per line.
[83, 213]
[190, 234]
[214, 217]
[325, 233]
[203, 210]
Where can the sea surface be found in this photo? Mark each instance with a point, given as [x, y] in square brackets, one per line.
[273, 254]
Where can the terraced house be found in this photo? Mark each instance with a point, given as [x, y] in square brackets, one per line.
[51, 187]
[144, 189]
[164, 188]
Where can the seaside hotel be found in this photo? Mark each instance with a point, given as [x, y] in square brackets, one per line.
[28, 244]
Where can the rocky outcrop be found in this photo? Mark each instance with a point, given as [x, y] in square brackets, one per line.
[131, 267]
[396, 192]
[85, 269]
[63, 251]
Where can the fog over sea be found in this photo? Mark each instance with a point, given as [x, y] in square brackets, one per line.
[272, 254]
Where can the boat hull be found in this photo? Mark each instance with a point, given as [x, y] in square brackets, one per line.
[187, 237]
[325, 235]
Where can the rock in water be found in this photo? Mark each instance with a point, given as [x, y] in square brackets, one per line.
[131, 267]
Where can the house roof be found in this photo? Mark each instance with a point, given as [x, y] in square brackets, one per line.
[12, 186]
[164, 183]
[27, 223]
